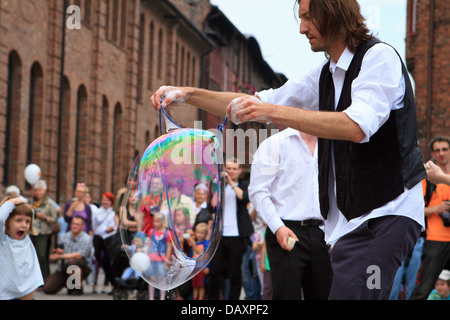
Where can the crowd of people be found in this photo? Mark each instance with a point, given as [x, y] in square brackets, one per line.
[85, 235]
[333, 206]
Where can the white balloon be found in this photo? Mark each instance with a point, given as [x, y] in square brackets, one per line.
[140, 262]
[32, 173]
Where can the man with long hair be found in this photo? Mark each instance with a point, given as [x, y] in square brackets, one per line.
[360, 104]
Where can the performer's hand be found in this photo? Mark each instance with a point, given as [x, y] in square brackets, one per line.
[282, 234]
[247, 108]
[170, 96]
[435, 173]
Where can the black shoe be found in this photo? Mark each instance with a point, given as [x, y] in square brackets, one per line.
[75, 292]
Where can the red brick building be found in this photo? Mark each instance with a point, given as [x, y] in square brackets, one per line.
[74, 86]
[427, 56]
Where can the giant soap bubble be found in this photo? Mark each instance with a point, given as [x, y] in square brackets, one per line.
[161, 189]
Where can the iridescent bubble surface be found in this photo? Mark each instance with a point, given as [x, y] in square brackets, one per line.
[162, 187]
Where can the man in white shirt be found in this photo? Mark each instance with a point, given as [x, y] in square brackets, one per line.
[284, 190]
[360, 104]
[237, 229]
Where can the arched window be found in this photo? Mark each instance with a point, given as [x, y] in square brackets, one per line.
[81, 135]
[13, 101]
[177, 57]
[64, 153]
[182, 67]
[188, 68]
[106, 183]
[151, 54]
[88, 12]
[160, 54]
[140, 84]
[147, 137]
[123, 22]
[156, 132]
[108, 19]
[118, 148]
[115, 21]
[194, 72]
[36, 114]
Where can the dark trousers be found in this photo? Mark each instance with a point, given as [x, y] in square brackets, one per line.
[42, 244]
[365, 261]
[58, 280]
[102, 258]
[227, 261]
[307, 267]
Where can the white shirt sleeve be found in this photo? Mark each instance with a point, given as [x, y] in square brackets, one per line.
[5, 211]
[264, 170]
[378, 89]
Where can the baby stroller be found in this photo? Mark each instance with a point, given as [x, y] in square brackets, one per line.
[132, 288]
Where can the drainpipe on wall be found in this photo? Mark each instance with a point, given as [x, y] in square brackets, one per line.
[61, 97]
[430, 76]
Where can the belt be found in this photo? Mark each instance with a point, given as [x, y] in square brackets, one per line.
[305, 223]
[311, 222]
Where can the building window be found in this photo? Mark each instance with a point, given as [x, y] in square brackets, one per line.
[81, 135]
[106, 183]
[123, 19]
[182, 67]
[87, 12]
[160, 54]
[194, 72]
[64, 145]
[115, 20]
[177, 55]
[13, 102]
[140, 84]
[151, 55]
[35, 114]
[118, 127]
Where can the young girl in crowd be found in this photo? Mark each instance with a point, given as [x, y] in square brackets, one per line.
[159, 250]
[199, 245]
[442, 287]
[21, 274]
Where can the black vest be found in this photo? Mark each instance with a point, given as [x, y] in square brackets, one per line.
[368, 175]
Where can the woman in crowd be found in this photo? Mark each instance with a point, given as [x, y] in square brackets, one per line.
[45, 216]
[78, 207]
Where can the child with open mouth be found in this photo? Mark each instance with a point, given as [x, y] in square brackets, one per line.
[21, 274]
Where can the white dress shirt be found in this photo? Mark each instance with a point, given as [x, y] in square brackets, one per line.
[102, 220]
[283, 180]
[378, 89]
[230, 224]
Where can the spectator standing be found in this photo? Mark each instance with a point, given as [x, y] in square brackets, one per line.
[45, 216]
[78, 207]
[199, 244]
[237, 229]
[159, 251]
[436, 250]
[104, 224]
[284, 190]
